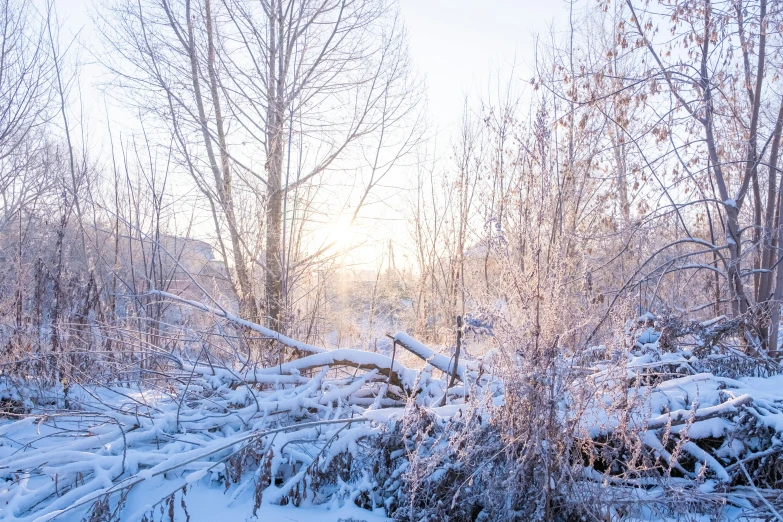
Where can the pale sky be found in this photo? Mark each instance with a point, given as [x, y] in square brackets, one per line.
[459, 44]
[462, 48]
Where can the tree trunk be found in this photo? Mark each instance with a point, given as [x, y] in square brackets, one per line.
[248, 307]
[274, 280]
[771, 340]
[274, 167]
[221, 172]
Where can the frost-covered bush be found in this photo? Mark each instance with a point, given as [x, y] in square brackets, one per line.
[531, 431]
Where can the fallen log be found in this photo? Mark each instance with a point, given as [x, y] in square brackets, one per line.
[441, 362]
[366, 361]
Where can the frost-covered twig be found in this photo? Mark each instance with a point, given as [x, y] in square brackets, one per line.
[266, 332]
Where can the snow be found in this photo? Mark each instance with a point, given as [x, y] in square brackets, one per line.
[219, 312]
[441, 362]
[648, 336]
[210, 502]
[165, 466]
[183, 442]
[344, 357]
[150, 444]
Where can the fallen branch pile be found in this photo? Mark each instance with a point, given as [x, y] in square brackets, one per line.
[610, 434]
[302, 430]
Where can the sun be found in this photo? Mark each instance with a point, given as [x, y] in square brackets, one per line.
[341, 233]
[348, 239]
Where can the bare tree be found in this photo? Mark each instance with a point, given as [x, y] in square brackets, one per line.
[695, 70]
[268, 83]
[25, 103]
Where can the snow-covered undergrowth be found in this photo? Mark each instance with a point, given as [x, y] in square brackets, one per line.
[684, 422]
[304, 432]
[662, 429]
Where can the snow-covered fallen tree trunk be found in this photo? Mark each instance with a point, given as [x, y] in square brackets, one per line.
[441, 362]
[219, 312]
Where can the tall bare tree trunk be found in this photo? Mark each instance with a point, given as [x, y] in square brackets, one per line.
[776, 239]
[221, 172]
[274, 279]
[247, 301]
[274, 168]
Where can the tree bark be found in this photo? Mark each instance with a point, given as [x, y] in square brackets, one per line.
[274, 169]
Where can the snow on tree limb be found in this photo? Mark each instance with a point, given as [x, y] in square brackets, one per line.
[400, 375]
[267, 332]
[441, 362]
[682, 416]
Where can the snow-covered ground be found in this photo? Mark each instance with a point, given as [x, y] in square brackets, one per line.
[210, 443]
[207, 502]
[314, 439]
[55, 467]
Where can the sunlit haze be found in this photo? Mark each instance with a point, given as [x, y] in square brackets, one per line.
[462, 49]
